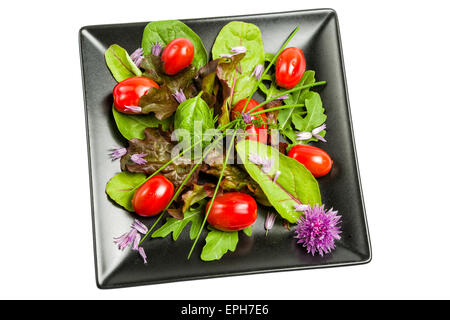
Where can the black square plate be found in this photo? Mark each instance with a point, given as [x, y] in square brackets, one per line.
[319, 38]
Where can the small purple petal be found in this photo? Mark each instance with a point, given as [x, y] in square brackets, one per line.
[137, 56]
[121, 238]
[138, 158]
[143, 255]
[226, 55]
[257, 72]
[139, 226]
[319, 137]
[304, 136]
[179, 96]
[255, 158]
[134, 109]
[137, 239]
[247, 118]
[270, 220]
[319, 129]
[118, 153]
[283, 97]
[277, 174]
[128, 239]
[267, 165]
[156, 49]
[301, 207]
[238, 50]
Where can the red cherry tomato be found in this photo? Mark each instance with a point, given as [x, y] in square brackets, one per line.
[232, 211]
[177, 55]
[153, 196]
[254, 133]
[128, 92]
[314, 159]
[290, 67]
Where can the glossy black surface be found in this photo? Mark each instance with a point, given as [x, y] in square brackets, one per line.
[341, 189]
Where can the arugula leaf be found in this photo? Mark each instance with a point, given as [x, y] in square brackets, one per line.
[298, 97]
[133, 126]
[295, 185]
[236, 34]
[157, 146]
[168, 30]
[315, 116]
[272, 90]
[121, 188]
[248, 231]
[218, 243]
[120, 63]
[176, 226]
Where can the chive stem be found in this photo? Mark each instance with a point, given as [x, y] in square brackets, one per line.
[215, 192]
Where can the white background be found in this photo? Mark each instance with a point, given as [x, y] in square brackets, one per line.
[398, 65]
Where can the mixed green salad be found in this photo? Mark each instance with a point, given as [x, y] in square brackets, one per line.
[203, 154]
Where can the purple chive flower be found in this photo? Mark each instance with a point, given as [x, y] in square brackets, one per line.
[301, 207]
[314, 133]
[317, 230]
[126, 239]
[277, 174]
[237, 50]
[257, 72]
[156, 49]
[270, 220]
[134, 109]
[137, 56]
[258, 160]
[143, 255]
[138, 158]
[226, 55]
[247, 118]
[179, 96]
[132, 238]
[117, 153]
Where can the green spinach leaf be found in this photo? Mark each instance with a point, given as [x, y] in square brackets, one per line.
[133, 126]
[295, 185]
[120, 63]
[121, 188]
[218, 243]
[236, 34]
[195, 116]
[165, 31]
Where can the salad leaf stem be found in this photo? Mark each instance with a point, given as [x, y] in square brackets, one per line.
[288, 106]
[286, 92]
[215, 192]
